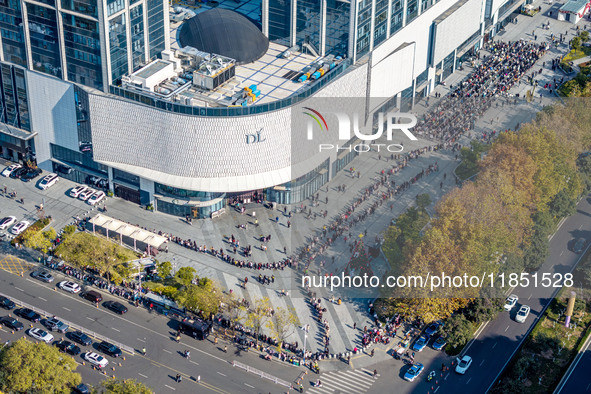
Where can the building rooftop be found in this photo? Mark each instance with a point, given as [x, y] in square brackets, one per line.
[574, 6]
[151, 69]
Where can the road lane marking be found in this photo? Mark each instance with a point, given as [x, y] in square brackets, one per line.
[468, 381]
[172, 388]
[18, 288]
[248, 385]
[529, 297]
[89, 318]
[446, 376]
[561, 253]
[580, 227]
[113, 328]
[482, 362]
[142, 375]
[156, 365]
[191, 361]
[436, 389]
[41, 298]
[506, 328]
[167, 351]
[69, 310]
[141, 340]
[494, 345]
[221, 373]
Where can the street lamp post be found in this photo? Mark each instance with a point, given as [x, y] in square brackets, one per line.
[306, 329]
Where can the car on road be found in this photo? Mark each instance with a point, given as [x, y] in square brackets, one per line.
[70, 287]
[7, 222]
[28, 314]
[16, 174]
[463, 364]
[68, 347]
[85, 195]
[420, 343]
[48, 181]
[20, 227]
[579, 245]
[41, 335]
[433, 328]
[6, 303]
[96, 359]
[55, 324]
[439, 343]
[76, 191]
[522, 314]
[81, 338]
[42, 276]
[96, 197]
[413, 372]
[81, 389]
[31, 174]
[109, 349]
[11, 323]
[510, 302]
[8, 170]
[115, 307]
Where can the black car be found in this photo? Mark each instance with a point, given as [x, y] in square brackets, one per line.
[63, 169]
[18, 172]
[81, 338]
[31, 174]
[68, 347]
[6, 303]
[109, 349]
[29, 315]
[81, 389]
[115, 306]
[11, 323]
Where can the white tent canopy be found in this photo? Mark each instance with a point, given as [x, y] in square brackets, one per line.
[136, 234]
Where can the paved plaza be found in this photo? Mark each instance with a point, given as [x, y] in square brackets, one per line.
[215, 233]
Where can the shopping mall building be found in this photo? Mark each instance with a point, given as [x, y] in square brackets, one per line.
[190, 109]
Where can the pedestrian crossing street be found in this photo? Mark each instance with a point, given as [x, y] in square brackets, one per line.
[351, 381]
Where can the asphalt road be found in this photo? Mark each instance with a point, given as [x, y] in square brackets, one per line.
[578, 378]
[138, 329]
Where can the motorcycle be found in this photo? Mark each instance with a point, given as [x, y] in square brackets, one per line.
[430, 376]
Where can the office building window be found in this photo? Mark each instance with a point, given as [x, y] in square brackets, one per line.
[337, 27]
[280, 21]
[412, 10]
[118, 47]
[155, 27]
[380, 22]
[308, 26]
[11, 28]
[396, 18]
[136, 15]
[44, 40]
[83, 51]
[114, 6]
[85, 7]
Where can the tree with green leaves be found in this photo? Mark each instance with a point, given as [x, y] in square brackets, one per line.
[185, 275]
[423, 201]
[257, 315]
[205, 297]
[282, 324]
[42, 241]
[124, 386]
[458, 330]
[584, 34]
[28, 367]
[164, 269]
[576, 43]
[562, 205]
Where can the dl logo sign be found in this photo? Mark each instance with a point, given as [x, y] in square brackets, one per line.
[256, 137]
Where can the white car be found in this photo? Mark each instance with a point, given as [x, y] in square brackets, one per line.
[85, 195]
[463, 364]
[7, 222]
[8, 170]
[41, 335]
[510, 302]
[96, 359]
[522, 314]
[70, 287]
[20, 227]
[48, 181]
[96, 197]
[75, 192]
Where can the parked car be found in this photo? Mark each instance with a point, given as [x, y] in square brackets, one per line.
[42, 276]
[522, 314]
[109, 349]
[115, 306]
[463, 364]
[413, 372]
[41, 335]
[439, 343]
[8, 170]
[70, 287]
[7, 222]
[85, 195]
[20, 227]
[63, 169]
[420, 343]
[68, 347]
[579, 245]
[93, 296]
[54, 324]
[48, 181]
[96, 359]
[81, 389]
[6, 303]
[28, 314]
[31, 174]
[510, 302]
[81, 338]
[16, 174]
[96, 197]
[75, 192]
[433, 328]
[11, 323]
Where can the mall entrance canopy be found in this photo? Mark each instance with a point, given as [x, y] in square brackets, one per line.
[131, 235]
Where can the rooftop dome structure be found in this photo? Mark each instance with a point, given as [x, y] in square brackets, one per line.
[224, 32]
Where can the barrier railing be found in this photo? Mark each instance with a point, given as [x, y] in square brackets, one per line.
[74, 326]
[262, 374]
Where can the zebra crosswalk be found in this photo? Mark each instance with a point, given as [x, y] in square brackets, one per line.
[352, 381]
